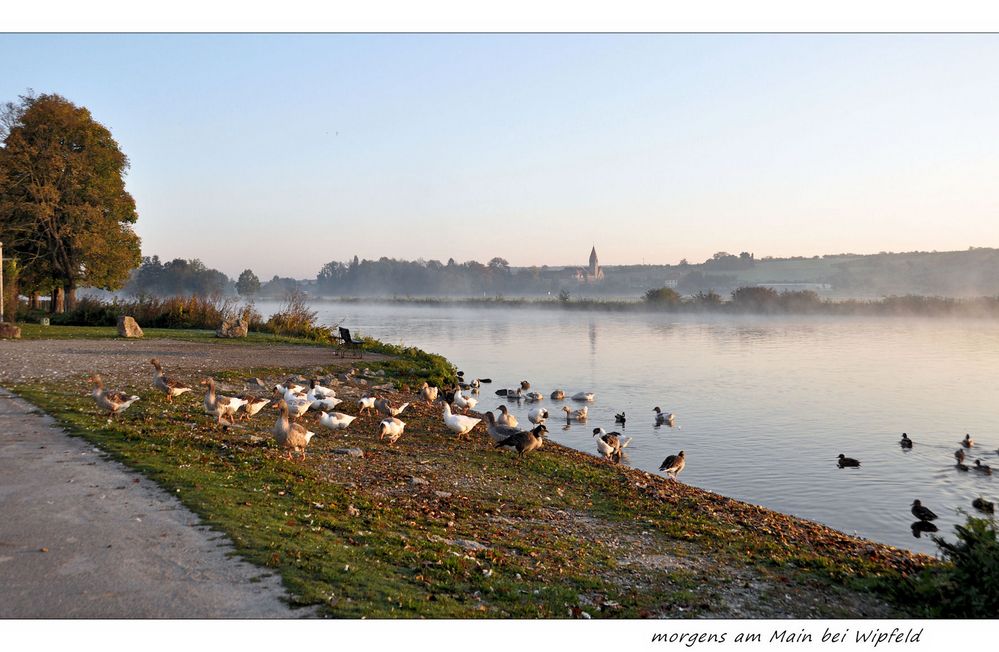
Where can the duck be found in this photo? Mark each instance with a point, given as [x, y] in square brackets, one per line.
[365, 404]
[525, 441]
[517, 393]
[579, 415]
[297, 403]
[253, 405]
[169, 386]
[335, 421]
[537, 415]
[905, 441]
[324, 404]
[922, 513]
[983, 468]
[620, 418]
[664, 418]
[221, 407]
[586, 397]
[293, 436]
[385, 407]
[967, 442]
[496, 430]
[111, 401]
[505, 418]
[962, 467]
[459, 424]
[463, 402]
[844, 461]
[983, 505]
[610, 444]
[428, 393]
[673, 464]
[959, 455]
[391, 429]
[533, 397]
[558, 395]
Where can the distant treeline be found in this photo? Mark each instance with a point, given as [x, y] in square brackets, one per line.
[746, 300]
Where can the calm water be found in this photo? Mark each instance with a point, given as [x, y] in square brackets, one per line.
[763, 405]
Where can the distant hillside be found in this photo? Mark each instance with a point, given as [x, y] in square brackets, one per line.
[974, 272]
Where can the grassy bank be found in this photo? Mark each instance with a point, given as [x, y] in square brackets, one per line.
[39, 332]
[435, 527]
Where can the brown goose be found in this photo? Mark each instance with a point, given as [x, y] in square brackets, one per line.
[385, 407]
[525, 441]
[959, 456]
[610, 444]
[168, 386]
[922, 513]
[292, 436]
[558, 395]
[221, 406]
[673, 464]
[110, 401]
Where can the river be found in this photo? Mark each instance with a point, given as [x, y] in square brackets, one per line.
[763, 404]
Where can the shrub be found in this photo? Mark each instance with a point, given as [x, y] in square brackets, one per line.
[298, 320]
[967, 586]
[663, 296]
[755, 298]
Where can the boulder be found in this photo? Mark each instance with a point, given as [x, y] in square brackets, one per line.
[127, 327]
[9, 331]
[233, 327]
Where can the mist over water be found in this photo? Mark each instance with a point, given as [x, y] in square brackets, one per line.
[764, 404]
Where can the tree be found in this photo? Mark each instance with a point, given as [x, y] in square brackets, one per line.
[64, 210]
[248, 283]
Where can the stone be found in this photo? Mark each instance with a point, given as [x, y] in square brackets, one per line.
[128, 327]
[9, 331]
[233, 327]
[353, 452]
[417, 481]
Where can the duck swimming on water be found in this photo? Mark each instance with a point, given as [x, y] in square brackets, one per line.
[967, 442]
[845, 461]
[983, 468]
[905, 442]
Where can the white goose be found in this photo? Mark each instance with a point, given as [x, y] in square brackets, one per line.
[459, 424]
[664, 418]
[253, 405]
[586, 397]
[463, 402]
[365, 404]
[298, 404]
[537, 415]
[335, 421]
[317, 391]
[324, 404]
[505, 418]
[428, 393]
[391, 428]
[579, 415]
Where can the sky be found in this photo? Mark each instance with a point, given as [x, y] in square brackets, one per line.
[280, 153]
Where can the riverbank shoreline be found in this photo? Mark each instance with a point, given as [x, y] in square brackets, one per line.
[440, 528]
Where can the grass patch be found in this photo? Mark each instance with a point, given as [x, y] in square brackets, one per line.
[39, 332]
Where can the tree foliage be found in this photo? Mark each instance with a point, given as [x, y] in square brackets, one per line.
[177, 277]
[64, 210]
[248, 284]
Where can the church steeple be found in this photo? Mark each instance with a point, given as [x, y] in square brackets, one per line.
[594, 263]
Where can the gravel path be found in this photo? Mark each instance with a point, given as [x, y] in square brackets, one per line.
[121, 360]
[81, 536]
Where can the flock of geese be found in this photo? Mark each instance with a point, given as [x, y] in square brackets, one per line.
[924, 515]
[293, 401]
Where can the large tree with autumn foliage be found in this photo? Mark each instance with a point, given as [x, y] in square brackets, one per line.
[64, 211]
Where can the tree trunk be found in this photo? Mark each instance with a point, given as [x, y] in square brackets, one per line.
[34, 300]
[58, 300]
[70, 297]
